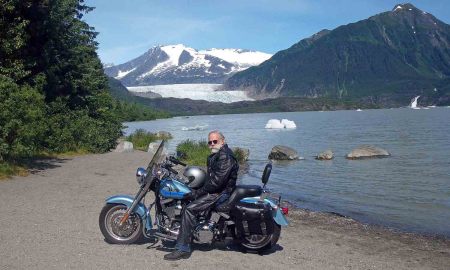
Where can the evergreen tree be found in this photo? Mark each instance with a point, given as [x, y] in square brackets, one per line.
[49, 53]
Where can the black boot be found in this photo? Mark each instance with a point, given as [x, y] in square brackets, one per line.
[177, 255]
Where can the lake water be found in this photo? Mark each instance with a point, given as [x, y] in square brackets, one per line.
[409, 191]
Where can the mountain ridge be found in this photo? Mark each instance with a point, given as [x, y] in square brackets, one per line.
[400, 52]
[174, 64]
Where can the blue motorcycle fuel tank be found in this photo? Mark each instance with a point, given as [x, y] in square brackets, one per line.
[171, 188]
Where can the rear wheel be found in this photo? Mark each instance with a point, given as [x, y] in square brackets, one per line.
[109, 220]
[262, 242]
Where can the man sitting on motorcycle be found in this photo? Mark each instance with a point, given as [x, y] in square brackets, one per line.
[222, 174]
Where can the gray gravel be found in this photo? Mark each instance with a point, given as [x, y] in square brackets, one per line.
[49, 220]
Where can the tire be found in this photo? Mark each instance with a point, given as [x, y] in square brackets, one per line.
[109, 219]
[261, 242]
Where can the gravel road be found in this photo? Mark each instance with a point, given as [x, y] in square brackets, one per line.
[49, 220]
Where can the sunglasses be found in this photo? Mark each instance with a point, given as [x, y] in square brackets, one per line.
[212, 142]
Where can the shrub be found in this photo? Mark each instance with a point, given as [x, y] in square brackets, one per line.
[239, 154]
[193, 152]
[142, 138]
[22, 126]
[196, 152]
[76, 130]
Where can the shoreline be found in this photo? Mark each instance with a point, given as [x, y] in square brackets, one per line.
[373, 226]
[266, 112]
[59, 228]
[330, 218]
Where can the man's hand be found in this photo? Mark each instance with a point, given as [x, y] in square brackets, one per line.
[189, 196]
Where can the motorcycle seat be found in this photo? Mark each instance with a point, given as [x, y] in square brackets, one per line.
[240, 192]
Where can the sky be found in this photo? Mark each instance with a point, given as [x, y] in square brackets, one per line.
[127, 29]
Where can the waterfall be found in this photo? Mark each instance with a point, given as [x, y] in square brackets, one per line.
[414, 102]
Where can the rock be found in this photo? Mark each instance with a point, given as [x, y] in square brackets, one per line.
[244, 152]
[367, 151]
[163, 134]
[124, 147]
[326, 155]
[152, 147]
[280, 152]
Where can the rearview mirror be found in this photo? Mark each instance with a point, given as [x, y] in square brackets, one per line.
[266, 174]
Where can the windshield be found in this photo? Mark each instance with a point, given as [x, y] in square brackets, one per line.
[157, 157]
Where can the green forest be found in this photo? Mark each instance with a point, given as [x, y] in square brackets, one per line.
[54, 96]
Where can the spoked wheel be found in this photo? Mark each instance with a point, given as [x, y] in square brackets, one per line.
[109, 222]
[258, 242]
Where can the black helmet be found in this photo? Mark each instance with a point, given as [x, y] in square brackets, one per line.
[196, 176]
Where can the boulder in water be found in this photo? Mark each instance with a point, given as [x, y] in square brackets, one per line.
[367, 151]
[280, 152]
[326, 155]
[123, 147]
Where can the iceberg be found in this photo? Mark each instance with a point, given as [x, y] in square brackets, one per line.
[196, 127]
[288, 123]
[274, 124]
[277, 124]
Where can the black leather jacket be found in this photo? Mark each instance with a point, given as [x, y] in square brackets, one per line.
[222, 172]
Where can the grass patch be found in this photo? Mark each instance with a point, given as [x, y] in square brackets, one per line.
[20, 167]
[8, 169]
[69, 154]
[193, 152]
[142, 138]
[196, 152]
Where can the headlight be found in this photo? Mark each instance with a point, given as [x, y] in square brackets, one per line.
[141, 173]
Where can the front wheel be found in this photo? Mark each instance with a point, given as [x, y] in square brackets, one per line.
[262, 242]
[109, 220]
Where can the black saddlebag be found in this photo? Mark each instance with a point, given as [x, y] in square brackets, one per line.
[253, 218]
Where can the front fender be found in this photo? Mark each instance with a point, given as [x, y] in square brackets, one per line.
[140, 209]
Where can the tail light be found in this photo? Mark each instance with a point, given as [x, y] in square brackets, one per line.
[285, 210]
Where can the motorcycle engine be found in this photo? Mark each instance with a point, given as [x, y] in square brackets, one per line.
[171, 207]
[204, 232]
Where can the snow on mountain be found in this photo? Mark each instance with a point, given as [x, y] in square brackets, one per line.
[122, 74]
[178, 64]
[240, 57]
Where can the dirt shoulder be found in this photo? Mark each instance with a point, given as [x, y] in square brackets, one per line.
[49, 220]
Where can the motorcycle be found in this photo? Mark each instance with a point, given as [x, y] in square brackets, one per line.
[248, 216]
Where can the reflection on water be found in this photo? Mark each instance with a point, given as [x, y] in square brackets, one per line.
[409, 191]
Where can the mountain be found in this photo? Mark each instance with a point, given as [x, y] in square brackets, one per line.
[392, 55]
[176, 64]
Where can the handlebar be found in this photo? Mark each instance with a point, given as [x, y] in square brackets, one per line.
[169, 168]
[176, 161]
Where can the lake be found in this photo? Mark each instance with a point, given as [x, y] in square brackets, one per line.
[409, 191]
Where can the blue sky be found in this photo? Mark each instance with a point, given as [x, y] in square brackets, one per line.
[129, 28]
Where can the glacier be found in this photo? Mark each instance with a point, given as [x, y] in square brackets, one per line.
[197, 91]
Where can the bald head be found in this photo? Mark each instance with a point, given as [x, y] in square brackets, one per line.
[218, 133]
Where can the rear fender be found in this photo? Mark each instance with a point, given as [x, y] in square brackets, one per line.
[277, 215]
[140, 209]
